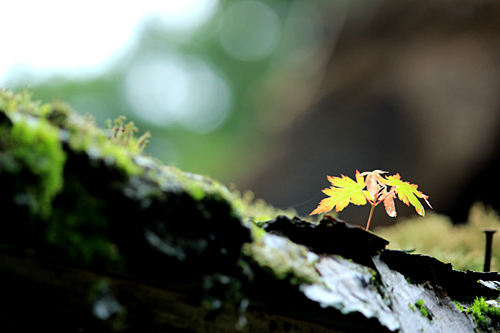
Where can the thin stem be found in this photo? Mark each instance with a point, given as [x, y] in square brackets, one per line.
[385, 196]
[370, 217]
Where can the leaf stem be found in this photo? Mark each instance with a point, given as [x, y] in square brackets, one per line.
[385, 196]
[370, 217]
[368, 199]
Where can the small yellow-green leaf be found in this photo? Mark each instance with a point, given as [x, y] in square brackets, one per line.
[343, 191]
[407, 192]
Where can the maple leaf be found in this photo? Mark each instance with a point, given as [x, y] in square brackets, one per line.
[407, 193]
[342, 192]
[390, 208]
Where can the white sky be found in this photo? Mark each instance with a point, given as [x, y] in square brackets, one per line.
[78, 36]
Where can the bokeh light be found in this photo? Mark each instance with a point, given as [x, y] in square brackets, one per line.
[175, 90]
[249, 30]
[83, 38]
[303, 33]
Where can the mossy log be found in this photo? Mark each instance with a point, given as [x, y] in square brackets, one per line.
[99, 237]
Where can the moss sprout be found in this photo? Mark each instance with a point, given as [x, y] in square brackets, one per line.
[124, 134]
[423, 309]
[283, 259]
[459, 306]
[478, 309]
[411, 306]
[483, 313]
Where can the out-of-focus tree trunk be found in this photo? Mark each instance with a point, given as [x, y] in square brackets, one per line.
[411, 87]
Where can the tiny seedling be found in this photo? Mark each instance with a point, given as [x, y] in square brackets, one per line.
[345, 190]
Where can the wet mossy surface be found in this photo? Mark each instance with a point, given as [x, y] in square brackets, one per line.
[83, 196]
[77, 190]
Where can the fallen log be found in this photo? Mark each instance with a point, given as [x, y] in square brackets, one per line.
[100, 237]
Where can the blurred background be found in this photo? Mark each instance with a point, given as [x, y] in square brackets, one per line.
[273, 95]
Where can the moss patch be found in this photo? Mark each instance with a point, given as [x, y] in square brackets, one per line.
[419, 304]
[88, 189]
[458, 306]
[283, 259]
[485, 315]
[35, 144]
[30, 151]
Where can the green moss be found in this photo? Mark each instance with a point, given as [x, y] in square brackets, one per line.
[196, 192]
[119, 156]
[61, 154]
[283, 259]
[256, 231]
[478, 309]
[13, 102]
[243, 206]
[458, 306]
[98, 144]
[411, 306]
[257, 209]
[202, 188]
[483, 313]
[423, 309]
[35, 144]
